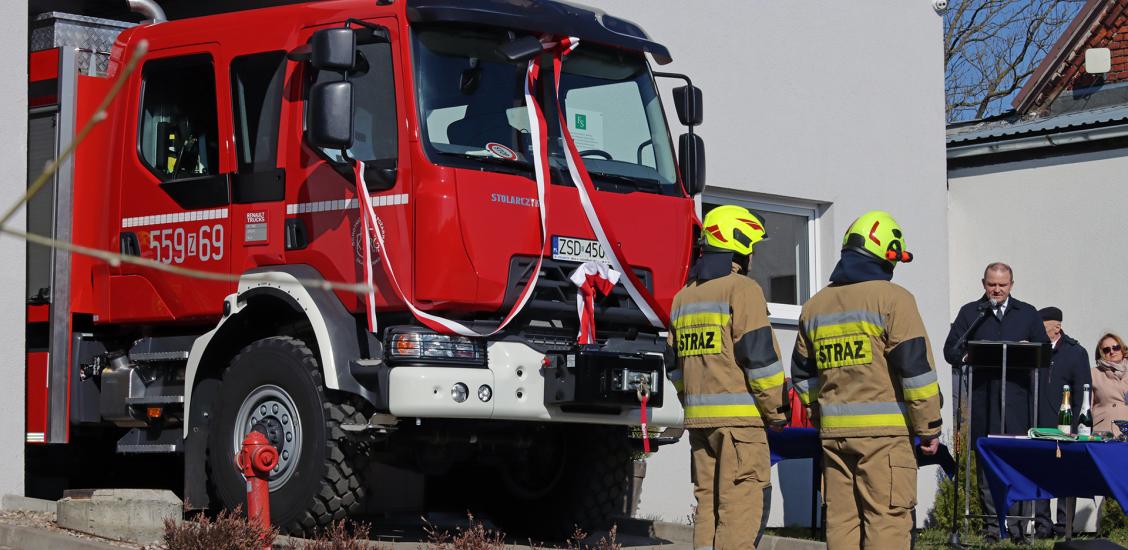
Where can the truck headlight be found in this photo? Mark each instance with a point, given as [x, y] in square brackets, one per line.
[429, 347]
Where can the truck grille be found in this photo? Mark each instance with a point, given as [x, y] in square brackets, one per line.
[554, 298]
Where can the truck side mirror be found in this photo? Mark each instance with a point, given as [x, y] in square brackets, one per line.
[691, 163]
[333, 49]
[330, 115]
[687, 100]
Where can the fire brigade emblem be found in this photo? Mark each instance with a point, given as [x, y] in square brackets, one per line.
[358, 241]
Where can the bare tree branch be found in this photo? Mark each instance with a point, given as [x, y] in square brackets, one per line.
[991, 47]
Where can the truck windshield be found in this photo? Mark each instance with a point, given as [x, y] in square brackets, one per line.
[472, 108]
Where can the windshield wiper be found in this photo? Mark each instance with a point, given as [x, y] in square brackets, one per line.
[559, 173]
[515, 164]
[641, 184]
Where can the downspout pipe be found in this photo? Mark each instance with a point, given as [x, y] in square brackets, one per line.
[149, 9]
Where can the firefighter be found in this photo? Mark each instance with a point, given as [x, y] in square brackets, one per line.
[863, 364]
[725, 364]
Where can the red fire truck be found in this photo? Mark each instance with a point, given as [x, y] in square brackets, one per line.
[496, 146]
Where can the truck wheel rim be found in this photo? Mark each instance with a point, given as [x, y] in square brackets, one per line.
[272, 402]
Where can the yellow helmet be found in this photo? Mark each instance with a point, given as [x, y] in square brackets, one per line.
[734, 228]
[877, 233]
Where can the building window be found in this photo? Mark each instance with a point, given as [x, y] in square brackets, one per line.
[782, 264]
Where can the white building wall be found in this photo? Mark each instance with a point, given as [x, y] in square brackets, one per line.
[838, 104]
[1054, 221]
[13, 157]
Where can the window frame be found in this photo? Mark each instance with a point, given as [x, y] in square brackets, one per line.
[558, 175]
[258, 161]
[143, 93]
[309, 77]
[778, 313]
[258, 178]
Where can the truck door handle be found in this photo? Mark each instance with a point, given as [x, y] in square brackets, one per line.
[130, 245]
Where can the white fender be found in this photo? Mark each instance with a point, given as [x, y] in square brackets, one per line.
[280, 283]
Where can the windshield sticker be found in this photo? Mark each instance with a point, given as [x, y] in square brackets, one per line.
[500, 151]
[586, 128]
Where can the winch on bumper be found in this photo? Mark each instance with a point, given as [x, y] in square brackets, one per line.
[592, 387]
[601, 379]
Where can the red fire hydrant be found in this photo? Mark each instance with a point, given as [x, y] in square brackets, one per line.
[257, 458]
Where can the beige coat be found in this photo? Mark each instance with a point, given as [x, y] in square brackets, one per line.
[727, 368]
[1108, 399]
[863, 357]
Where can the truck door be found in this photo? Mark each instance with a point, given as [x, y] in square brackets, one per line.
[258, 187]
[175, 189]
[322, 194]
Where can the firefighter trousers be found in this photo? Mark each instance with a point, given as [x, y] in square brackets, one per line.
[870, 492]
[732, 483]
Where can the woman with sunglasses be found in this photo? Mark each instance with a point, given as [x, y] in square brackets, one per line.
[1110, 384]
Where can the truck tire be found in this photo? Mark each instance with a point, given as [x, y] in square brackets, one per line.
[588, 493]
[277, 381]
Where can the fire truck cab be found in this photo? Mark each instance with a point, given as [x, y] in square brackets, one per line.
[239, 146]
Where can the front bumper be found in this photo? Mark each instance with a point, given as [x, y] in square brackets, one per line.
[517, 378]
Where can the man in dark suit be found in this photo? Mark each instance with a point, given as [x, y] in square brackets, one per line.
[997, 316]
[1069, 366]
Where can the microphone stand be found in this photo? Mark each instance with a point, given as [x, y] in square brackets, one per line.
[961, 345]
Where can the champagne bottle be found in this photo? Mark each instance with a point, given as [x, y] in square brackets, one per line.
[1065, 413]
[1085, 420]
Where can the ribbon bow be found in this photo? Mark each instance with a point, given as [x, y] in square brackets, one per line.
[591, 277]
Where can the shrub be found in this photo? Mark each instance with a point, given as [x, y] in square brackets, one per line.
[474, 537]
[1113, 523]
[478, 537]
[940, 517]
[607, 542]
[228, 531]
[341, 535]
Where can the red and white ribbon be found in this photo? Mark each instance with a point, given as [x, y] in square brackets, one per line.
[590, 278]
[368, 215]
[637, 290]
[642, 423]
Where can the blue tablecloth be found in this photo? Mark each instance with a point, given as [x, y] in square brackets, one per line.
[1028, 469]
[804, 443]
[794, 443]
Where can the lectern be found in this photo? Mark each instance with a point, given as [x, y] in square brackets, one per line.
[985, 355]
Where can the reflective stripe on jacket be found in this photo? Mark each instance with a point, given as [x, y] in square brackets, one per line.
[862, 356]
[723, 357]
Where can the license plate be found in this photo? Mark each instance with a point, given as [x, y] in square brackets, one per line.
[577, 250]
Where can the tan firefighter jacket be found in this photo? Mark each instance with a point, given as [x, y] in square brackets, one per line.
[723, 357]
[863, 361]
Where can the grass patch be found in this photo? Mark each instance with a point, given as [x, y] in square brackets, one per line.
[937, 539]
